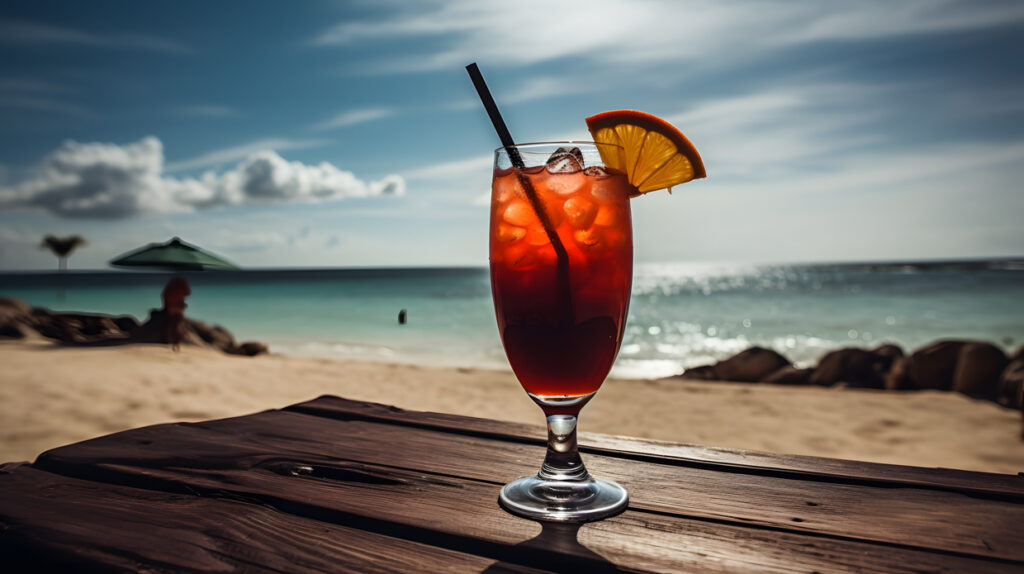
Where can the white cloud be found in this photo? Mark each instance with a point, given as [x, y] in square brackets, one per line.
[454, 170]
[110, 181]
[544, 87]
[31, 33]
[353, 117]
[235, 153]
[858, 20]
[611, 32]
[37, 95]
[780, 130]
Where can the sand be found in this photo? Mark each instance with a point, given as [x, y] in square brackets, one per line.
[52, 395]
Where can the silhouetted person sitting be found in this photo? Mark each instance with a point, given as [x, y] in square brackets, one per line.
[174, 307]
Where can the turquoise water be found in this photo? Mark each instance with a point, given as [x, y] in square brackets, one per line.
[681, 315]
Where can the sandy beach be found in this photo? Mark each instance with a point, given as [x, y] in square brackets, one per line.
[52, 395]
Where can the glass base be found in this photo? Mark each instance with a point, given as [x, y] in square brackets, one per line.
[563, 500]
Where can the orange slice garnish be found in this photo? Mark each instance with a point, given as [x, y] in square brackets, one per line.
[655, 155]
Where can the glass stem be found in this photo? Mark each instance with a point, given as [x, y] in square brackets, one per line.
[562, 461]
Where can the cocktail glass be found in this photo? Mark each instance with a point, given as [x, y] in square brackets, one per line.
[561, 254]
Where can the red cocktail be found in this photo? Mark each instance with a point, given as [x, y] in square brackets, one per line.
[561, 337]
[561, 249]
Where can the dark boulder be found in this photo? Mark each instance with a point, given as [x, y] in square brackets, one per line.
[213, 335]
[896, 379]
[750, 366]
[978, 368]
[63, 328]
[702, 373]
[857, 368]
[16, 319]
[153, 330]
[789, 376]
[250, 349]
[933, 366]
[1011, 385]
[14, 330]
[14, 307]
[126, 323]
[889, 350]
[19, 320]
[88, 325]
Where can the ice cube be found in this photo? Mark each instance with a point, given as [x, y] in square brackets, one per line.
[580, 212]
[506, 188]
[613, 191]
[566, 160]
[607, 216]
[537, 236]
[597, 171]
[562, 183]
[510, 233]
[519, 213]
[587, 237]
[521, 257]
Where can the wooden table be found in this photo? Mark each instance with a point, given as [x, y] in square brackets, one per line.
[341, 486]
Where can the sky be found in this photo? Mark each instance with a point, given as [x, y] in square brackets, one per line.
[348, 134]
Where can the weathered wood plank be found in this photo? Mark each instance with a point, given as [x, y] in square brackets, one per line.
[464, 513]
[927, 519]
[708, 457]
[55, 523]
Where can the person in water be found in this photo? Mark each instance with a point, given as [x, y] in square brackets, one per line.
[174, 307]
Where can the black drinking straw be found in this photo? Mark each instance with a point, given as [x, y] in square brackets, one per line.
[492, 110]
[517, 162]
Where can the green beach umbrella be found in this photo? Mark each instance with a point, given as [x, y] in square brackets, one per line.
[175, 255]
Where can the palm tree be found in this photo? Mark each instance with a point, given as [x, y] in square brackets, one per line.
[62, 247]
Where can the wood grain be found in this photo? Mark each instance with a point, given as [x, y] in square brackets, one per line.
[57, 523]
[226, 454]
[451, 513]
[337, 485]
[733, 460]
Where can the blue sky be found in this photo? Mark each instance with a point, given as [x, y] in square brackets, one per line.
[325, 134]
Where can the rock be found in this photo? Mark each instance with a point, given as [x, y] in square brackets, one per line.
[12, 306]
[11, 330]
[251, 349]
[789, 376]
[89, 324]
[77, 327]
[889, 350]
[750, 366]
[978, 368]
[65, 329]
[897, 379]
[152, 330]
[703, 373]
[857, 368]
[932, 367]
[213, 335]
[16, 319]
[1011, 385]
[126, 323]
[19, 320]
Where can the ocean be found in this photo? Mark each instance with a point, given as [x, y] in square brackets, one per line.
[681, 315]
